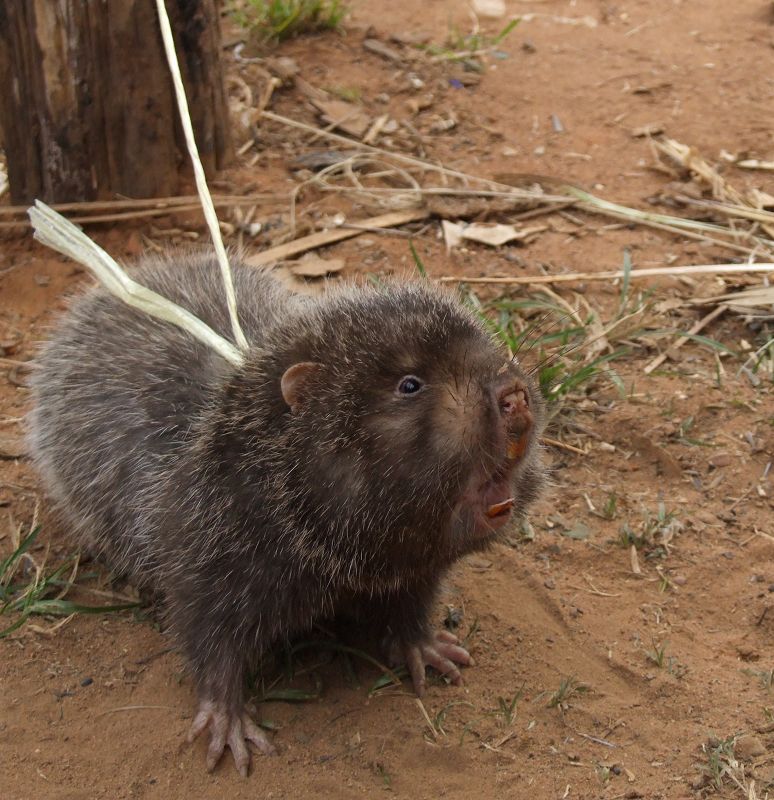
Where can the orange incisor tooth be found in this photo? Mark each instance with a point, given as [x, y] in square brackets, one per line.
[516, 447]
[500, 508]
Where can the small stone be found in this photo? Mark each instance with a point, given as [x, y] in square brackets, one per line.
[721, 460]
[747, 652]
[707, 517]
[479, 564]
[749, 747]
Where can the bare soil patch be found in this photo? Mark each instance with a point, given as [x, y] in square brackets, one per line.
[592, 679]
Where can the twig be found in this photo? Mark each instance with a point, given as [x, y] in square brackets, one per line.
[416, 162]
[119, 217]
[739, 499]
[568, 277]
[149, 202]
[694, 329]
[131, 708]
[322, 238]
[729, 209]
[597, 740]
[562, 445]
[596, 591]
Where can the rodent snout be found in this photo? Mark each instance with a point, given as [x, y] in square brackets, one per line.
[513, 402]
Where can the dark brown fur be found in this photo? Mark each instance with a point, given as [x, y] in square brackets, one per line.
[253, 520]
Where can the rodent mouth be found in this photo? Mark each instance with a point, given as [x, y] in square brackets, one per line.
[490, 497]
[496, 500]
[493, 501]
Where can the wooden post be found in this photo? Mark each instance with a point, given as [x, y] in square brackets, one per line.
[87, 108]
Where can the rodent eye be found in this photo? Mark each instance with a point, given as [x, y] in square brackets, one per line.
[409, 384]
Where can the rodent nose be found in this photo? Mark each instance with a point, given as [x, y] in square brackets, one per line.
[514, 405]
[512, 399]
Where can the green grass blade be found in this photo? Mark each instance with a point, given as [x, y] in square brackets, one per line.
[505, 31]
[7, 564]
[417, 260]
[63, 608]
[288, 696]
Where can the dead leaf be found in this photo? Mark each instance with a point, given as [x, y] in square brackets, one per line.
[283, 67]
[417, 104]
[383, 50]
[313, 266]
[452, 233]
[494, 234]
[12, 447]
[348, 118]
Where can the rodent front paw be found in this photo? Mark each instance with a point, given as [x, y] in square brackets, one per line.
[442, 651]
[232, 729]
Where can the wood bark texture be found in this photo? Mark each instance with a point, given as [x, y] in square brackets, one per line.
[87, 108]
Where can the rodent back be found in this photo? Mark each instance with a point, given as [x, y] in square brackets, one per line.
[117, 394]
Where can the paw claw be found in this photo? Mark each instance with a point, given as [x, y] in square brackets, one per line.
[443, 652]
[228, 728]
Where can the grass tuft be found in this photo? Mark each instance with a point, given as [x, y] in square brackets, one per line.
[40, 593]
[569, 687]
[278, 20]
[469, 48]
[654, 534]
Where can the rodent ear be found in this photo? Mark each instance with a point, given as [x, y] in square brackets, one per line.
[293, 383]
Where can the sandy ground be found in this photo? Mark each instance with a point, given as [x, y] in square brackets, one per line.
[655, 665]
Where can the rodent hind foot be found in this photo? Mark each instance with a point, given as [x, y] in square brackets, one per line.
[232, 729]
[442, 651]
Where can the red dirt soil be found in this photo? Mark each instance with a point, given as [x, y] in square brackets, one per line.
[99, 707]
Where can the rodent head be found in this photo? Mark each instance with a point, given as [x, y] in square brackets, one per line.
[405, 424]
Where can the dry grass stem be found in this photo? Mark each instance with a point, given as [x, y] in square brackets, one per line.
[429, 722]
[634, 560]
[323, 238]
[12, 362]
[201, 182]
[422, 164]
[596, 591]
[170, 203]
[694, 329]
[635, 274]
[562, 445]
[58, 233]
[134, 708]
